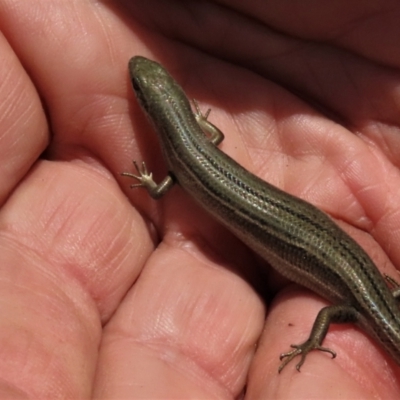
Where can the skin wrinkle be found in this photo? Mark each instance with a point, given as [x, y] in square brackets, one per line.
[75, 55]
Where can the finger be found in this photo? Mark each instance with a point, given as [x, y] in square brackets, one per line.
[23, 125]
[187, 329]
[68, 255]
[77, 57]
[356, 371]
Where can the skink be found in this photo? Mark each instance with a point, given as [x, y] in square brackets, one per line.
[297, 239]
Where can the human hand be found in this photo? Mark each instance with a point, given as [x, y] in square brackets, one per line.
[102, 300]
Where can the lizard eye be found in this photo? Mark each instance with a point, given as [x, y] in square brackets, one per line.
[135, 85]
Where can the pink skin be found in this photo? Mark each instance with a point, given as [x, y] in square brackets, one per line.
[107, 297]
